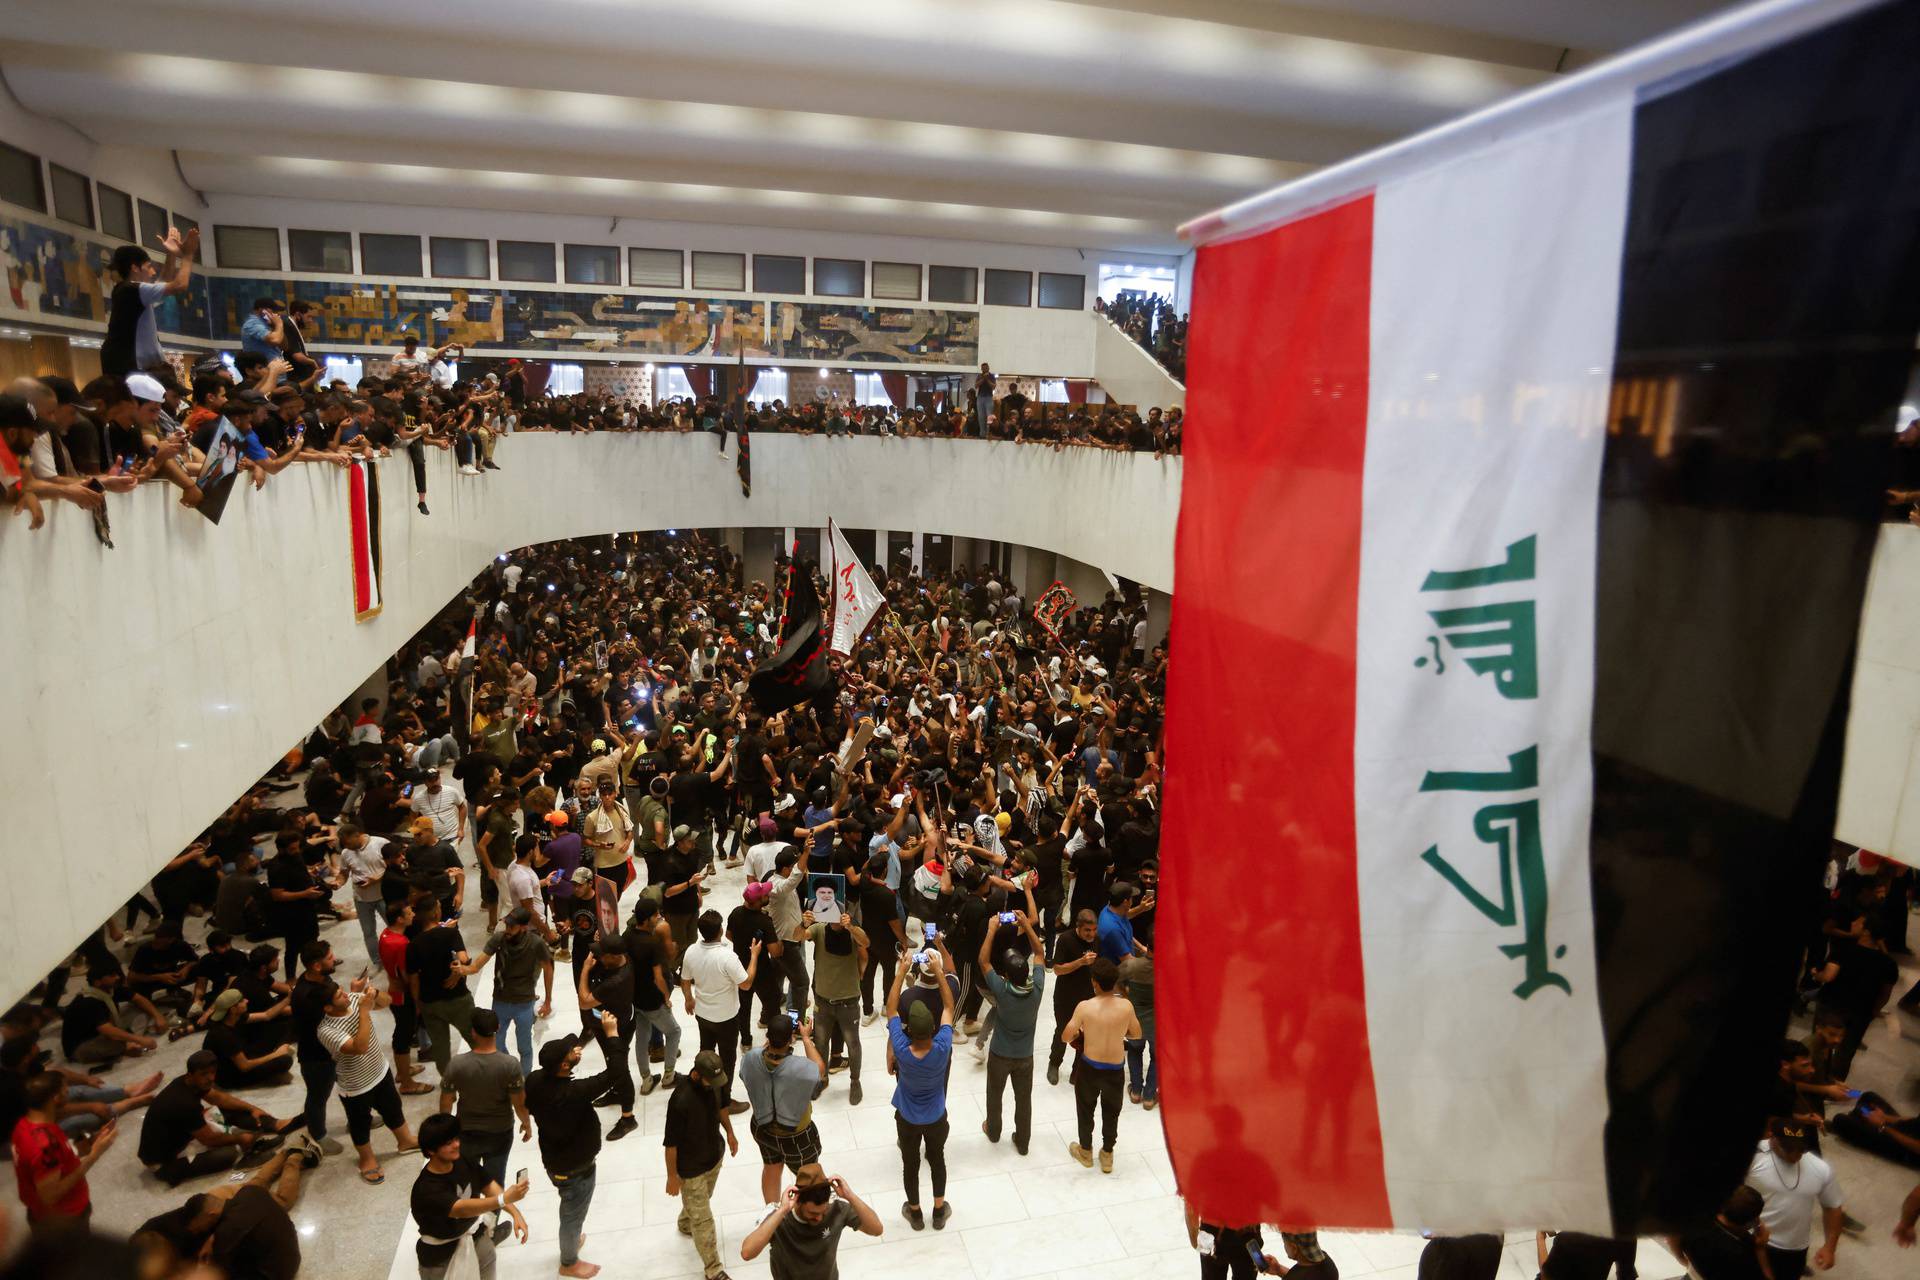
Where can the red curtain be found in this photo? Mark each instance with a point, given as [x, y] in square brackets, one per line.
[750, 381]
[1076, 391]
[895, 385]
[537, 372]
[700, 378]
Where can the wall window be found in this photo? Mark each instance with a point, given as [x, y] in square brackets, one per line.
[775, 273]
[72, 196]
[1067, 292]
[183, 224]
[526, 260]
[952, 284]
[672, 384]
[153, 224]
[868, 388]
[722, 271]
[347, 369]
[257, 248]
[20, 180]
[383, 255]
[656, 268]
[592, 264]
[566, 379]
[896, 280]
[839, 278]
[116, 212]
[330, 251]
[771, 386]
[459, 258]
[1053, 391]
[1009, 288]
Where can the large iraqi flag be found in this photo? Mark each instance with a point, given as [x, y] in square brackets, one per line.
[1527, 509]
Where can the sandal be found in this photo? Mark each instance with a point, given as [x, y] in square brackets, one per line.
[415, 1089]
[1133, 1096]
[372, 1177]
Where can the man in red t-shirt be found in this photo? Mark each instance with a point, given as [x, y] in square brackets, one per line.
[52, 1176]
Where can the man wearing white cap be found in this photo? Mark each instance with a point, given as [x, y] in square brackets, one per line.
[158, 455]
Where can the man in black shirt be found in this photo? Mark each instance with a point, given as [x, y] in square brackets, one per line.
[437, 968]
[681, 869]
[562, 1106]
[161, 969]
[746, 924]
[178, 1118]
[695, 1121]
[252, 1234]
[227, 1041]
[296, 897]
[1732, 1245]
[1072, 953]
[886, 935]
[652, 990]
[450, 1196]
[308, 1003]
[607, 984]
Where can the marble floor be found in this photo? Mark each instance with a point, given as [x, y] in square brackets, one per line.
[1038, 1216]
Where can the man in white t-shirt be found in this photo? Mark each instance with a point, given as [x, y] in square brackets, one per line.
[511, 576]
[364, 857]
[446, 804]
[1791, 1181]
[363, 1071]
[712, 978]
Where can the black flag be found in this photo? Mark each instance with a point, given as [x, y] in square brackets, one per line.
[798, 671]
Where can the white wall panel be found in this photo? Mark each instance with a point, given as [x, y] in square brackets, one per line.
[154, 682]
[1037, 340]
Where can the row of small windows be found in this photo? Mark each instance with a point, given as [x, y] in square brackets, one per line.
[536, 262]
[123, 216]
[73, 197]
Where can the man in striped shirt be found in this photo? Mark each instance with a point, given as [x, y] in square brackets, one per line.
[363, 1073]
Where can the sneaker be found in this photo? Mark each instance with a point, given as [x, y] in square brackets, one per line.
[941, 1212]
[738, 1108]
[489, 465]
[667, 1079]
[1150, 1104]
[1053, 1073]
[1106, 1162]
[658, 1053]
[836, 1064]
[1020, 1146]
[915, 1219]
[1852, 1225]
[870, 1019]
[469, 470]
[648, 1085]
[980, 1050]
[1080, 1153]
[971, 1026]
[853, 1094]
[423, 509]
[622, 1127]
[991, 1135]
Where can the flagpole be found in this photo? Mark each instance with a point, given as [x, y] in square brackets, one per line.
[786, 596]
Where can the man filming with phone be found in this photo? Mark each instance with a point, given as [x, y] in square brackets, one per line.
[781, 1087]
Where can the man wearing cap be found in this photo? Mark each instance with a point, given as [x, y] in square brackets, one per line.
[746, 924]
[607, 831]
[604, 765]
[922, 1051]
[523, 959]
[562, 1107]
[133, 339]
[695, 1122]
[1792, 1183]
[651, 954]
[679, 871]
[226, 1040]
[781, 1087]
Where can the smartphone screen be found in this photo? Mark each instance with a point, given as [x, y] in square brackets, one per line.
[1006, 917]
[933, 931]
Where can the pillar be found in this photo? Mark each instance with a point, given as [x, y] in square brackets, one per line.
[756, 560]
[1159, 616]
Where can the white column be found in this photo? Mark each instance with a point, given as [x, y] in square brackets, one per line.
[919, 547]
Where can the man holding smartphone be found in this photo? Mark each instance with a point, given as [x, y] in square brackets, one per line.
[781, 1088]
[1017, 984]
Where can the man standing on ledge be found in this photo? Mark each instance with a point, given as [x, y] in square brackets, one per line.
[983, 396]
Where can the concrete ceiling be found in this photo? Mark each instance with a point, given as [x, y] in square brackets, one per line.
[1092, 125]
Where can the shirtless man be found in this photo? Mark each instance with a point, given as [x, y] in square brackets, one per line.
[1101, 1026]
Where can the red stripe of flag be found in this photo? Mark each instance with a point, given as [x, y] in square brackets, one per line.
[362, 539]
[1271, 1115]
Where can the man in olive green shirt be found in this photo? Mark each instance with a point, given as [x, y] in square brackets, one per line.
[839, 958]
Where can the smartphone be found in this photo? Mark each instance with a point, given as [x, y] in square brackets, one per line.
[1006, 917]
[793, 1016]
[407, 790]
[520, 1174]
[1854, 1094]
[933, 931]
[1259, 1258]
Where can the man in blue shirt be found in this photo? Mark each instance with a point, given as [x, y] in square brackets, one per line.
[1115, 936]
[262, 332]
[922, 1052]
[1016, 983]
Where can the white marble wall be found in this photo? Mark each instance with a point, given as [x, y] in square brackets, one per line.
[153, 682]
[1880, 787]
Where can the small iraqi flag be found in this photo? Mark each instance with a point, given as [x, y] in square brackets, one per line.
[1524, 529]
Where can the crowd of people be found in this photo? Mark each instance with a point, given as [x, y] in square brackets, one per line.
[249, 416]
[1151, 321]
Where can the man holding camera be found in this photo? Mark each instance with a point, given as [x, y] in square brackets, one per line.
[1016, 983]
